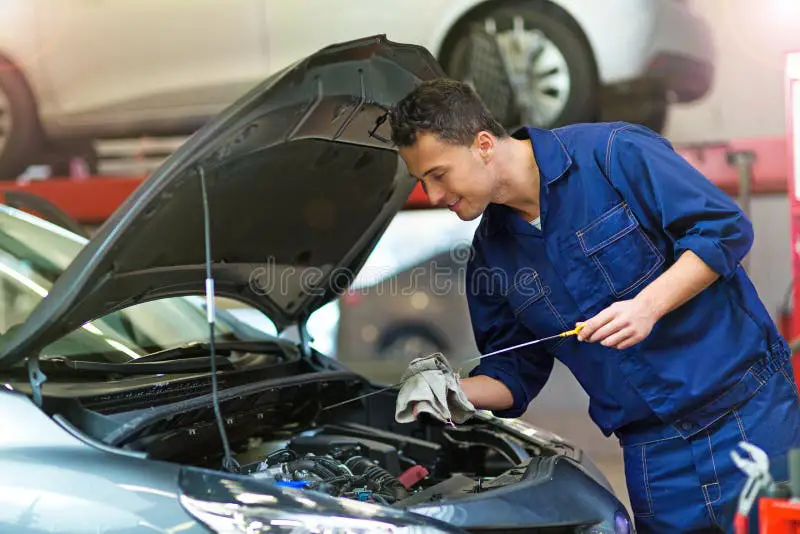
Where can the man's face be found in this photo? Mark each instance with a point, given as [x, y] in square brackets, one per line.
[453, 176]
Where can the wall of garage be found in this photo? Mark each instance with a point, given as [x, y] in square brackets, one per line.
[748, 101]
[748, 97]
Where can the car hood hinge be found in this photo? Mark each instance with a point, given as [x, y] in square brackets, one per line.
[36, 378]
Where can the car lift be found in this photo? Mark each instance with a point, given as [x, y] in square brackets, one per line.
[781, 515]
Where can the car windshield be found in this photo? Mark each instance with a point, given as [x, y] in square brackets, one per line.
[34, 253]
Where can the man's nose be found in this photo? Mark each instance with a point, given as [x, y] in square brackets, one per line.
[436, 195]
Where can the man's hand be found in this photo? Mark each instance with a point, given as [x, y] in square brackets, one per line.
[485, 393]
[621, 325]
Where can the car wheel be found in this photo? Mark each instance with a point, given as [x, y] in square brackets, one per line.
[19, 123]
[408, 342]
[529, 63]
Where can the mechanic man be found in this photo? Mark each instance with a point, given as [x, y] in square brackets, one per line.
[604, 224]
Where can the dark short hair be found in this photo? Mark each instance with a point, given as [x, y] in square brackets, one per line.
[450, 109]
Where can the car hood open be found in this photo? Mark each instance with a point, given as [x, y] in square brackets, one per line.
[301, 182]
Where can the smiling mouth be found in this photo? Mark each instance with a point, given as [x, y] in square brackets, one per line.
[454, 203]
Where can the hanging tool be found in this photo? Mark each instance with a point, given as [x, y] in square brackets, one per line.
[573, 332]
[759, 483]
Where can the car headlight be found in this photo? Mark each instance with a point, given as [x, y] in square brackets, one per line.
[232, 518]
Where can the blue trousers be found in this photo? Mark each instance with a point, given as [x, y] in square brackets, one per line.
[692, 485]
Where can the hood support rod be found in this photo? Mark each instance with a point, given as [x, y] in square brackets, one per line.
[228, 461]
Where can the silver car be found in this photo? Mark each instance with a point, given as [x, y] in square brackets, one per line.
[76, 70]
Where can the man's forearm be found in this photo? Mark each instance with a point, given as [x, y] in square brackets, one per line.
[487, 393]
[687, 277]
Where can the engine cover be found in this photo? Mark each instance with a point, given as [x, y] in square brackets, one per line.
[345, 446]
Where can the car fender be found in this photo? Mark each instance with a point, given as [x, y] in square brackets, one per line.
[52, 480]
[621, 46]
[21, 46]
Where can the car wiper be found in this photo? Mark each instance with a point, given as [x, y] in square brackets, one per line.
[191, 350]
[201, 363]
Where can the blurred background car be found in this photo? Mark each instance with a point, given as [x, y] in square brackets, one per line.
[409, 300]
[72, 71]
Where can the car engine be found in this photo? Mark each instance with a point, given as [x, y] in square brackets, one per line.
[342, 473]
[370, 465]
[279, 435]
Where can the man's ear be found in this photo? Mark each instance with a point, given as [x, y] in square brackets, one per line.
[484, 144]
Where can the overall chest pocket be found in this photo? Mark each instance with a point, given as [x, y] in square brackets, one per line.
[619, 249]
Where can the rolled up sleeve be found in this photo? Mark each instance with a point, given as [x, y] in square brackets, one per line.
[662, 188]
[524, 371]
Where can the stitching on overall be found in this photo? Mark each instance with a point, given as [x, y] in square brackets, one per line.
[530, 300]
[713, 463]
[649, 513]
[791, 382]
[580, 233]
[609, 148]
[639, 444]
[648, 242]
[716, 481]
[564, 148]
[611, 142]
[560, 320]
[542, 294]
[604, 273]
[645, 276]
[515, 287]
[740, 424]
[555, 312]
[524, 306]
[709, 506]
[757, 376]
[723, 414]
[708, 497]
[658, 264]
[638, 282]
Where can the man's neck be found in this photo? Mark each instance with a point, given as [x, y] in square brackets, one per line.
[519, 179]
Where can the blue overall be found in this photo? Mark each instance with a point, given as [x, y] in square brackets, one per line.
[618, 207]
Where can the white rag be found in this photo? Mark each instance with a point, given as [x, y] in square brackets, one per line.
[430, 382]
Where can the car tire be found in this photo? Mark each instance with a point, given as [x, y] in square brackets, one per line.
[562, 49]
[20, 134]
[409, 340]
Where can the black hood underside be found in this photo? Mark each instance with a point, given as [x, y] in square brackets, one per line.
[301, 182]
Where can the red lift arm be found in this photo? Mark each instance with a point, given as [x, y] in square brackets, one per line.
[91, 200]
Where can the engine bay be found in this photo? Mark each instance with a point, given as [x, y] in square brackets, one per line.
[357, 462]
[280, 432]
